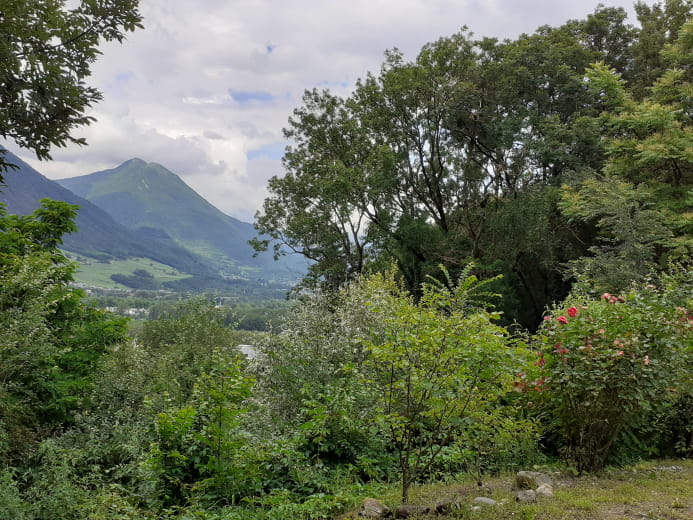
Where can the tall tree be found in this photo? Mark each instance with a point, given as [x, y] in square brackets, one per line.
[649, 146]
[46, 52]
[320, 207]
[659, 26]
[459, 153]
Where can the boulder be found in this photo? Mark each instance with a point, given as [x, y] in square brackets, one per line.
[483, 501]
[526, 496]
[371, 508]
[544, 491]
[531, 480]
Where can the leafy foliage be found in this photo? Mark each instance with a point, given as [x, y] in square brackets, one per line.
[435, 365]
[50, 343]
[518, 154]
[47, 53]
[606, 363]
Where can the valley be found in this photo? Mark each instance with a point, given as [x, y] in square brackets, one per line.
[140, 227]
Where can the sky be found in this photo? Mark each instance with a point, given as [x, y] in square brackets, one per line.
[207, 86]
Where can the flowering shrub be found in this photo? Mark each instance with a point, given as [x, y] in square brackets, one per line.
[603, 363]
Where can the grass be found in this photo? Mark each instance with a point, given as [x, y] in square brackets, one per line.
[660, 490]
[97, 273]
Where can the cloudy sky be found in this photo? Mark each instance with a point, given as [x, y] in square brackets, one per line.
[206, 88]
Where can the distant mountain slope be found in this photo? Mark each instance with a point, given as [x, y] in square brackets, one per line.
[99, 234]
[151, 199]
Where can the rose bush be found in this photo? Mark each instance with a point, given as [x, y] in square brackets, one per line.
[605, 363]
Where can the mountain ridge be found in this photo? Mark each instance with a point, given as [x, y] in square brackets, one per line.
[148, 197]
[98, 235]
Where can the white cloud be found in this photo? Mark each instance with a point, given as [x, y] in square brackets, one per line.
[206, 88]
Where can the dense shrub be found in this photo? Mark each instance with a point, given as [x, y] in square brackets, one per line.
[606, 363]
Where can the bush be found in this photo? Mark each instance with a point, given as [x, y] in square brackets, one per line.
[198, 447]
[440, 366]
[604, 364]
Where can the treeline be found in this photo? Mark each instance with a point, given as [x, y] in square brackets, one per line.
[563, 153]
[249, 313]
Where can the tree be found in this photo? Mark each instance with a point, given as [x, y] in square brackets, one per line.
[416, 165]
[438, 363]
[659, 26]
[461, 152]
[641, 202]
[50, 342]
[46, 51]
[319, 208]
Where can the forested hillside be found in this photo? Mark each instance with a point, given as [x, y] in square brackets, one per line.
[501, 238]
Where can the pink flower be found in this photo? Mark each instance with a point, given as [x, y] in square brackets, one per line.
[619, 353]
[560, 349]
[647, 360]
[562, 319]
[572, 312]
[547, 318]
[541, 361]
[606, 296]
[601, 331]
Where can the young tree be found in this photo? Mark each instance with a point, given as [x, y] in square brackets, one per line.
[438, 363]
[46, 53]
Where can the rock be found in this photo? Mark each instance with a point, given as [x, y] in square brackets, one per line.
[531, 480]
[526, 496]
[445, 508]
[544, 491]
[485, 501]
[476, 508]
[371, 508]
[668, 468]
[407, 511]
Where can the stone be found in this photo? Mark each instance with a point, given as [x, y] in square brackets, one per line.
[544, 491]
[407, 511]
[526, 496]
[531, 480]
[371, 508]
[485, 501]
[445, 508]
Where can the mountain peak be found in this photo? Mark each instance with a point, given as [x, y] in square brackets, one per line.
[135, 161]
[140, 194]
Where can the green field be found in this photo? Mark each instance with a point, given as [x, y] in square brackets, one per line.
[98, 272]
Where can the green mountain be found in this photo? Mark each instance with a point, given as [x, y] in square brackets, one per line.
[99, 235]
[153, 201]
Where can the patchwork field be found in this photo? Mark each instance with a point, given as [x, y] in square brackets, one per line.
[98, 272]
